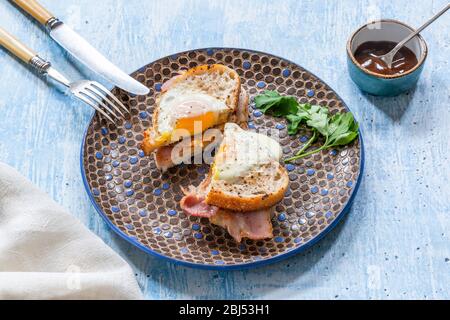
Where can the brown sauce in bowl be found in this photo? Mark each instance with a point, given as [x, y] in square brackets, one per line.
[367, 56]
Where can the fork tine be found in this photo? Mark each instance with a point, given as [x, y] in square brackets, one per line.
[102, 96]
[109, 94]
[99, 101]
[93, 105]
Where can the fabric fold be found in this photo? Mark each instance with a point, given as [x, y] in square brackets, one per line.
[45, 253]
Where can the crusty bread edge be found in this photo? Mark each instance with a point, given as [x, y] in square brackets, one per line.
[204, 68]
[245, 204]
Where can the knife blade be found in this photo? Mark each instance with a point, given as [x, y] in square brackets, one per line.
[87, 54]
[78, 47]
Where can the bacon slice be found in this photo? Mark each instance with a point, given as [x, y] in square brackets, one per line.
[240, 116]
[254, 225]
[166, 157]
[194, 205]
[163, 158]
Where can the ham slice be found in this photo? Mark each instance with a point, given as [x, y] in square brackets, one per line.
[163, 157]
[254, 225]
[167, 156]
[194, 205]
[240, 116]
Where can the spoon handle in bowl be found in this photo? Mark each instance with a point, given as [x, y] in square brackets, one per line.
[426, 24]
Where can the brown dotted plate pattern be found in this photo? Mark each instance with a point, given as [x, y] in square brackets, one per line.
[141, 204]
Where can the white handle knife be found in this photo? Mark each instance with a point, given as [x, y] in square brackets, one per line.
[80, 48]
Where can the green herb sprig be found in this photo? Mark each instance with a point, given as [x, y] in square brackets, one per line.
[336, 129]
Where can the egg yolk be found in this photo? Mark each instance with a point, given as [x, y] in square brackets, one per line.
[197, 124]
[151, 143]
[193, 125]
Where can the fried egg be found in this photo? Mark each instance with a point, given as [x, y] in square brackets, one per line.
[189, 110]
[191, 103]
[243, 152]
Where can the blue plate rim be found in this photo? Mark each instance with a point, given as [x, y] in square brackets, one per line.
[257, 263]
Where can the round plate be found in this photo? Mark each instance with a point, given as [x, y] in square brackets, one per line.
[142, 205]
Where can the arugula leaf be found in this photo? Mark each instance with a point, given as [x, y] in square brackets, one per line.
[273, 102]
[344, 139]
[337, 130]
[346, 129]
[341, 129]
[287, 105]
[319, 121]
[267, 100]
[294, 121]
[318, 109]
[333, 125]
[313, 115]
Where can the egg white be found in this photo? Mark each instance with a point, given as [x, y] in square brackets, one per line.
[179, 103]
[244, 152]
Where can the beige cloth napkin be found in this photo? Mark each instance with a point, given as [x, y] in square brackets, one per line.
[45, 253]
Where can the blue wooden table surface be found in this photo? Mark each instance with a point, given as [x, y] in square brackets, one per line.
[394, 244]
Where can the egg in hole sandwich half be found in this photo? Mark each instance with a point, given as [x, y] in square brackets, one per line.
[245, 182]
[198, 99]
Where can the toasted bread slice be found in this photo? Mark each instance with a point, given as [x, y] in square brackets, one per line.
[246, 174]
[256, 191]
[214, 89]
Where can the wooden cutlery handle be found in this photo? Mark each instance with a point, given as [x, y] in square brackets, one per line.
[35, 9]
[16, 47]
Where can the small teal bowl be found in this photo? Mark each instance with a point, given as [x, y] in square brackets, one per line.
[378, 84]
